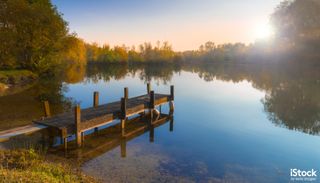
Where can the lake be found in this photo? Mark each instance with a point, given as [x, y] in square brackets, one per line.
[243, 123]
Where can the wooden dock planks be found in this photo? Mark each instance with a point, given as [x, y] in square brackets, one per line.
[79, 121]
[95, 116]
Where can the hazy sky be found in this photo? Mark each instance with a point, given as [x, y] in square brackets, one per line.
[184, 23]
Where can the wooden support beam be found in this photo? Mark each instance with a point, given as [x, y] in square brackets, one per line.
[123, 127]
[171, 106]
[82, 137]
[148, 88]
[152, 105]
[95, 99]
[64, 137]
[172, 92]
[123, 108]
[46, 109]
[152, 100]
[126, 93]
[77, 116]
[123, 115]
[65, 142]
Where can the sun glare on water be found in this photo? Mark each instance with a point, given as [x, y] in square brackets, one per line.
[263, 32]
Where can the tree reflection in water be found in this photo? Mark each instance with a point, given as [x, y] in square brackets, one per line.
[292, 97]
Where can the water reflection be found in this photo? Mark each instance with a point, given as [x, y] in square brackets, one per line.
[102, 141]
[21, 108]
[96, 143]
[292, 97]
[222, 136]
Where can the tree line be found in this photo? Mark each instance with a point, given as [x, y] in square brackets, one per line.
[34, 36]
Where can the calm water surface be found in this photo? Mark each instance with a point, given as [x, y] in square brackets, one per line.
[232, 125]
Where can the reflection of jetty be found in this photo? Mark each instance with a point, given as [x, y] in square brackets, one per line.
[109, 138]
[99, 115]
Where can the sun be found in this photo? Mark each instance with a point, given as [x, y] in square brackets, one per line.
[263, 32]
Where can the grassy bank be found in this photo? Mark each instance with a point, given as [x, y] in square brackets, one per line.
[29, 166]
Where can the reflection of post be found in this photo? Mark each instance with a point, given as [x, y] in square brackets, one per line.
[123, 147]
[151, 134]
[171, 124]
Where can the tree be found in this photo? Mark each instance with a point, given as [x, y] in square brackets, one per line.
[297, 22]
[31, 34]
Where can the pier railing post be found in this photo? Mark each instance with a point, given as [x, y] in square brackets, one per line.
[95, 99]
[171, 99]
[152, 105]
[46, 109]
[126, 93]
[152, 100]
[172, 92]
[148, 88]
[123, 114]
[77, 115]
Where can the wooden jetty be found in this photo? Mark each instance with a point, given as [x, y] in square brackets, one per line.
[28, 129]
[81, 120]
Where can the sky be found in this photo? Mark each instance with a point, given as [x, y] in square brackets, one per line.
[186, 24]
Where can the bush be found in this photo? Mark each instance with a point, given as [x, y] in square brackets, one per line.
[29, 166]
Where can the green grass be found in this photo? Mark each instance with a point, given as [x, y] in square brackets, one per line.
[17, 76]
[29, 166]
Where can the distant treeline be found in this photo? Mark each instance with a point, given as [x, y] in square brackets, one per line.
[34, 36]
[146, 52]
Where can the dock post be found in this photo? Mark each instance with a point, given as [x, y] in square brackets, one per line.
[172, 92]
[82, 137]
[64, 137]
[171, 99]
[123, 115]
[123, 147]
[152, 105]
[77, 115]
[126, 93]
[46, 109]
[95, 99]
[148, 88]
